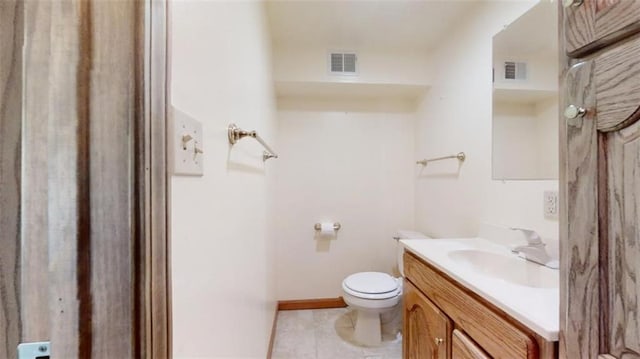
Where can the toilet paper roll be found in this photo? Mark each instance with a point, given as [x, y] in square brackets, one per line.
[326, 229]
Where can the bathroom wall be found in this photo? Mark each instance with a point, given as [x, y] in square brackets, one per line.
[222, 247]
[348, 156]
[454, 116]
[344, 161]
[542, 70]
[309, 63]
[515, 152]
[525, 143]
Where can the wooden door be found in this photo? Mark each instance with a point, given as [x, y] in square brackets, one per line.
[464, 347]
[600, 215]
[594, 24]
[427, 330]
[11, 32]
[83, 178]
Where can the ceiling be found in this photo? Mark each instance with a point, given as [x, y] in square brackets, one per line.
[352, 24]
[526, 35]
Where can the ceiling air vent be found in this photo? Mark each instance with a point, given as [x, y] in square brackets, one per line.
[343, 63]
[515, 70]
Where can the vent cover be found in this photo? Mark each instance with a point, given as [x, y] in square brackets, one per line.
[515, 70]
[343, 63]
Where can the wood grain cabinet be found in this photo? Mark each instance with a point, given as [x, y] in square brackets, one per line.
[427, 329]
[462, 347]
[600, 180]
[593, 24]
[437, 307]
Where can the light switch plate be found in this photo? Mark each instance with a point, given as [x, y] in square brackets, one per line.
[35, 350]
[550, 204]
[187, 146]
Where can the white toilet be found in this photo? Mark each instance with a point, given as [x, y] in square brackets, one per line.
[373, 293]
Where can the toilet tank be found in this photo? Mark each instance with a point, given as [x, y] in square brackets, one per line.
[404, 234]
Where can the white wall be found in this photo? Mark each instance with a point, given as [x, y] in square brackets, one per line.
[547, 133]
[525, 140]
[456, 116]
[542, 71]
[310, 64]
[222, 251]
[515, 141]
[352, 167]
[348, 159]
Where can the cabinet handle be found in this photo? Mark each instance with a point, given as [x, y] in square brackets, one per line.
[439, 341]
[570, 3]
[572, 112]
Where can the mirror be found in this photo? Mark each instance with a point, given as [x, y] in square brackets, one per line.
[525, 96]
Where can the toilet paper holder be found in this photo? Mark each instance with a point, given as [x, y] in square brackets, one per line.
[318, 226]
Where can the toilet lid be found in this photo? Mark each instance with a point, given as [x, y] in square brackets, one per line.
[371, 282]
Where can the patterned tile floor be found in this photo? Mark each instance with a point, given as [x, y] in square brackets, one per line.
[326, 334]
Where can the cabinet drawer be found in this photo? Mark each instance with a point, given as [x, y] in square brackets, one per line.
[598, 23]
[492, 331]
[465, 348]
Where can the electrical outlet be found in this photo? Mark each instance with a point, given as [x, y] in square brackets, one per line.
[551, 204]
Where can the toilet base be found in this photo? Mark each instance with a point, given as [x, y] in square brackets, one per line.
[367, 329]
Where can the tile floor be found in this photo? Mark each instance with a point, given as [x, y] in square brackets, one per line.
[326, 334]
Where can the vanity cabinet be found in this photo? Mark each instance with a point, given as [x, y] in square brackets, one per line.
[476, 326]
[593, 24]
[427, 329]
[462, 347]
[600, 182]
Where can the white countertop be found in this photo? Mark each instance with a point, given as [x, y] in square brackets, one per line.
[538, 308]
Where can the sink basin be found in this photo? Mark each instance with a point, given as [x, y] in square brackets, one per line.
[506, 267]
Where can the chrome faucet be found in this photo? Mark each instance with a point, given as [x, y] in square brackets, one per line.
[534, 250]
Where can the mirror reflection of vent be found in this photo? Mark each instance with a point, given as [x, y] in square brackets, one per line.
[515, 70]
[343, 63]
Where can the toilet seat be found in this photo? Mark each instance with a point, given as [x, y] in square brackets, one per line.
[371, 285]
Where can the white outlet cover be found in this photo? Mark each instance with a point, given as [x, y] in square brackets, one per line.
[550, 204]
[187, 145]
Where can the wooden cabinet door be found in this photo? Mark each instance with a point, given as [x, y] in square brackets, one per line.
[83, 178]
[593, 24]
[427, 330]
[600, 212]
[462, 347]
[494, 331]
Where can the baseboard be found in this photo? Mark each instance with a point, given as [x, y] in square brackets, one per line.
[321, 303]
[273, 333]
